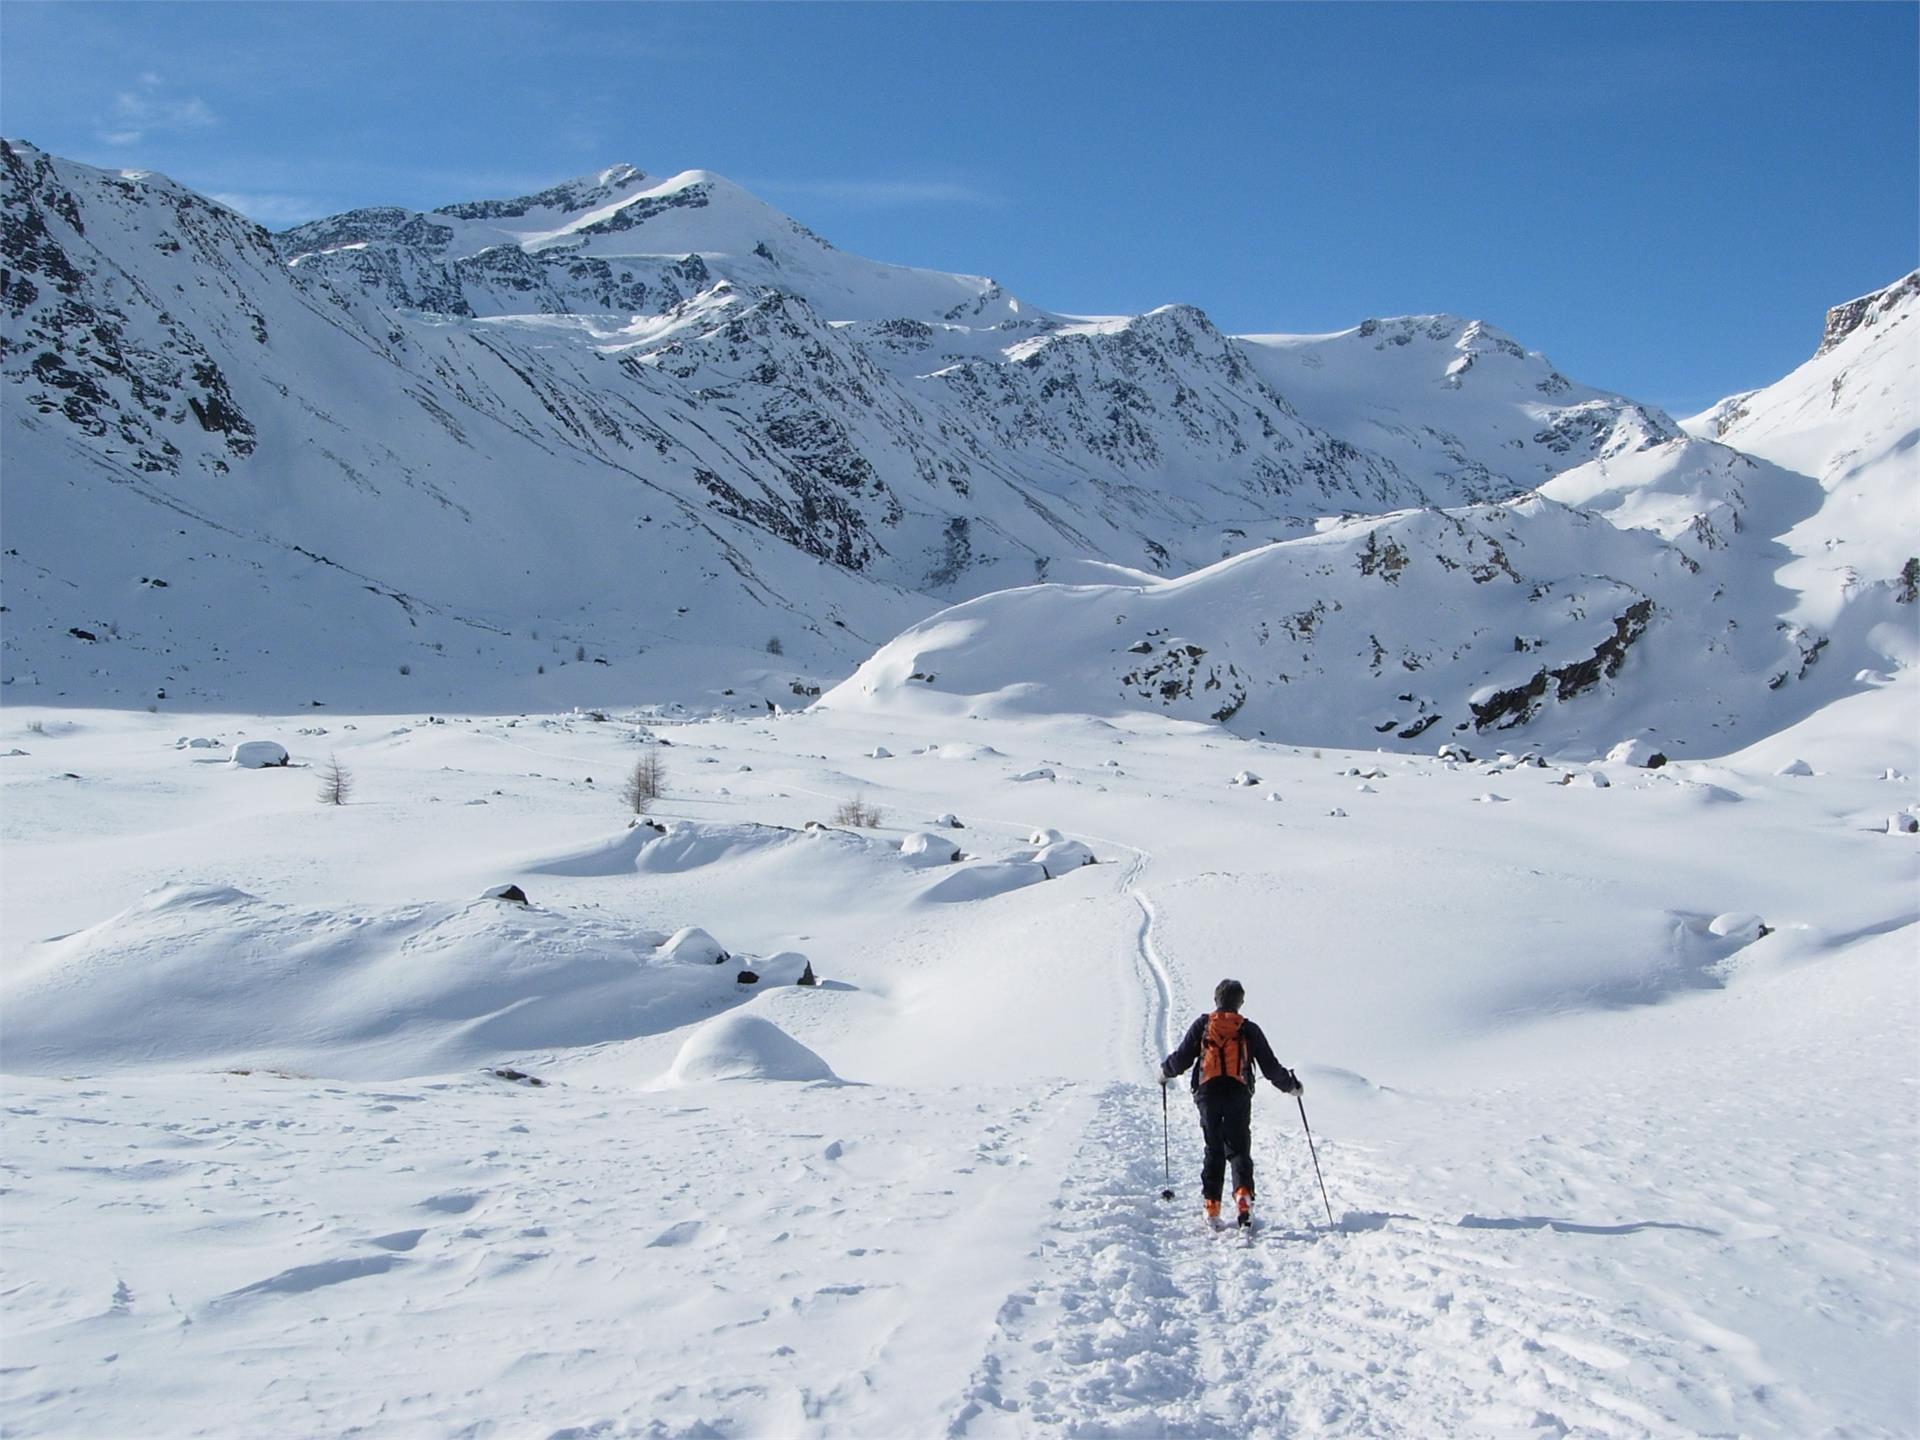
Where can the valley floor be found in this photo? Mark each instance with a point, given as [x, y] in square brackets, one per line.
[1594, 1169]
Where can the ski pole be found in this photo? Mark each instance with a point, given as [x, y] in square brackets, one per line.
[1166, 1142]
[1316, 1157]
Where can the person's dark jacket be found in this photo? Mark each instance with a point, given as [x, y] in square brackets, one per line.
[1256, 1051]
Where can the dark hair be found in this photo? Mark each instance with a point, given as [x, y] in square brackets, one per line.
[1229, 995]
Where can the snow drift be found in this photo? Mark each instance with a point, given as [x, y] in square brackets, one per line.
[213, 976]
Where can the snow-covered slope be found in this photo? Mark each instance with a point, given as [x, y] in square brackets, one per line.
[1531, 618]
[612, 440]
[646, 417]
[1850, 419]
[654, 419]
[1459, 407]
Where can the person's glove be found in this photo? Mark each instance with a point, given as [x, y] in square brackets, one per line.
[1164, 1078]
[1290, 1082]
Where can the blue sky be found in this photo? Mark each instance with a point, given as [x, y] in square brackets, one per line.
[1662, 197]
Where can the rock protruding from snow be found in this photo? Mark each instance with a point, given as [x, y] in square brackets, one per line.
[510, 893]
[259, 755]
[1245, 777]
[1903, 824]
[691, 945]
[745, 1047]
[1047, 836]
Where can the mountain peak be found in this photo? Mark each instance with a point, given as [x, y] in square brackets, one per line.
[582, 193]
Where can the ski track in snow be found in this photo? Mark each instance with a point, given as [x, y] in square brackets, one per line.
[1145, 1322]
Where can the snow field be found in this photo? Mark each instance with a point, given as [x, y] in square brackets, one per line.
[1597, 1169]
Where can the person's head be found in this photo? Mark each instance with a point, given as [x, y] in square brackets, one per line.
[1229, 995]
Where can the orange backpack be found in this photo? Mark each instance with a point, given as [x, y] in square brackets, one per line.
[1223, 1053]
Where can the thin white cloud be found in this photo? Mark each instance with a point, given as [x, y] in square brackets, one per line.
[149, 108]
[271, 210]
[883, 194]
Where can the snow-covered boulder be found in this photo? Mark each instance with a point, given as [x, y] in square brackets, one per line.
[202, 742]
[1061, 856]
[258, 754]
[1638, 752]
[1040, 772]
[1245, 777]
[923, 848]
[745, 1047]
[948, 821]
[1045, 837]
[880, 752]
[1903, 824]
[690, 945]
[1738, 926]
[1490, 798]
[513, 894]
[1795, 767]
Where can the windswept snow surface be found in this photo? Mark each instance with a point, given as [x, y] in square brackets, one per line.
[1601, 1161]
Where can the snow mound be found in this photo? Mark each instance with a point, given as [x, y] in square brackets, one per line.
[1736, 925]
[1636, 752]
[1063, 856]
[745, 1047]
[1245, 777]
[1795, 767]
[209, 975]
[982, 882]
[1040, 772]
[258, 754]
[922, 848]
[680, 845]
[1047, 836]
[690, 945]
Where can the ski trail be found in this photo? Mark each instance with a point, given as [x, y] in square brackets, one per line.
[1141, 1321]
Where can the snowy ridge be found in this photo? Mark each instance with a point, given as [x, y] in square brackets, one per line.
[1849, 419]
[1427, 625]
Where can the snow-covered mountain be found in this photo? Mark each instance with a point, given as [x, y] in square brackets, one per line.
[1850, 419]
[402, 458]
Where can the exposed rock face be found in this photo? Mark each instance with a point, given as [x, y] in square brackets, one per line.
[1843, 320]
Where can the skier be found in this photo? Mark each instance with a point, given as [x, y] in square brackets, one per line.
[1227, 1047]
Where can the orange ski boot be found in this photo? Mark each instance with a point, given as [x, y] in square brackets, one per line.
[1244, 1199]
[1213, 1209]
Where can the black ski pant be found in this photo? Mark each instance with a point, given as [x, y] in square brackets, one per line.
[1226, 1122]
